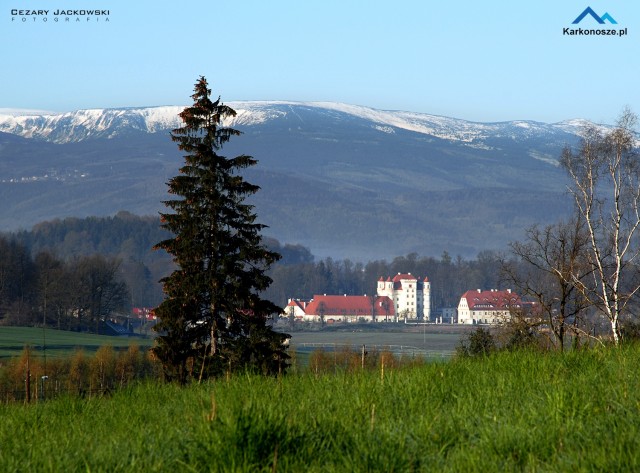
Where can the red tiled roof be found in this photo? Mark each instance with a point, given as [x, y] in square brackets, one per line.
[348, 305]
[297, 303]
[492, 300]
[399, 277]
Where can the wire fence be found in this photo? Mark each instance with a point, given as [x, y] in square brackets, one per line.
[398, 350]
[27, 380]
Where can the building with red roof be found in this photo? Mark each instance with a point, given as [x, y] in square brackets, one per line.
[330, 309]
[144, 313]
[403, 298]
[411, 295]
[488, 307]
[296, 309]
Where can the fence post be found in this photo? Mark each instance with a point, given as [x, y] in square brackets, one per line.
[27, 381]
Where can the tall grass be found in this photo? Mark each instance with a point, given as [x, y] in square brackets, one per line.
[508, 412]
[79, 374]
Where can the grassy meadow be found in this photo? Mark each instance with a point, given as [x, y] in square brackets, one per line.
[430, 341]
[521, 411]
[59, 343]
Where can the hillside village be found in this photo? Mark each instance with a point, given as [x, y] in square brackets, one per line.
[406, 298]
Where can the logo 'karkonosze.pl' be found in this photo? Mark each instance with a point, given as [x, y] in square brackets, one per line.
[601, 20]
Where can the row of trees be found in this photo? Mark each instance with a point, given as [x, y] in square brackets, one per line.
[28, 377]
[124, 236]
[72, 294]
[128, 238]
[450, 278]
[295, 275]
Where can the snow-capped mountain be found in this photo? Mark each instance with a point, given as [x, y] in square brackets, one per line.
[344, 180]
[109, 123]
[86, 124]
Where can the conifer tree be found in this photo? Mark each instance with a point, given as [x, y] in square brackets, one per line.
[213, 319]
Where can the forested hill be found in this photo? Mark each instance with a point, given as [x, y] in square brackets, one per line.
[60, 253]
[129, 239]
[126, 236]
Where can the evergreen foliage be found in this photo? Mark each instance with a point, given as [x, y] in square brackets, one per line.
[480, 342]
[213, 319]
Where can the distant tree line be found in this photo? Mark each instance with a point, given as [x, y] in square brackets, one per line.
[77, 293]
[449, 277]
[124, 239]
[50, 261]
[71, 273]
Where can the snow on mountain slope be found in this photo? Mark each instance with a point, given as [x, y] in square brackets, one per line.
[433, 125]
[95, 123]
[108, 123]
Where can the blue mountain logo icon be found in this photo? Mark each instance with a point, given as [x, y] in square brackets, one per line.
[595, 16]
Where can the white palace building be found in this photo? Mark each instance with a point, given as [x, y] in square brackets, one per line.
[411, 296]
[403, 298]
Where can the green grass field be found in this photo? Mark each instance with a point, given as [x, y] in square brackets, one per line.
[429, 342]
[509, 412]
[62, 343]
[59, 343]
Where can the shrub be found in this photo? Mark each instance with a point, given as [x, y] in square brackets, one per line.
[520, 337]
[630, 330]
[479, 342]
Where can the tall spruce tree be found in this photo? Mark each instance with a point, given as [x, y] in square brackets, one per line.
[213, 319]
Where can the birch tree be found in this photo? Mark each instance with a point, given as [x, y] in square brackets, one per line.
[605, 186]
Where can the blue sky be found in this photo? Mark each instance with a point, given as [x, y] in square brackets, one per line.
[482, 61]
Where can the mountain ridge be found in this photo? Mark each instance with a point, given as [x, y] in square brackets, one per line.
[108, 122]
[343, 180]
